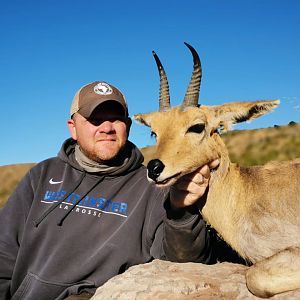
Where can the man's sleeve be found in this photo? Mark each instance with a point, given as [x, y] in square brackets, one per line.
[186, 237]
[12, 221]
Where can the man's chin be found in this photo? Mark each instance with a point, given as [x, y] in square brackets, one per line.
[106, 158]
[110, 157]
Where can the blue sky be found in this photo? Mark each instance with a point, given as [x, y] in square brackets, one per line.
[249, 50]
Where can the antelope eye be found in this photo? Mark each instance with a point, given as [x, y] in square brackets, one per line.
[153, 134]
[197, 128]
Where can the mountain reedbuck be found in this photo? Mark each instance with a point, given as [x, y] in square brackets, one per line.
[255, 209]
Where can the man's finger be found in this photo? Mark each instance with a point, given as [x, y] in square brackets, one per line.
[205, 171]
[214, 164]
[198, 178]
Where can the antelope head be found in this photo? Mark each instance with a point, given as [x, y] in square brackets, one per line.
[187, 136]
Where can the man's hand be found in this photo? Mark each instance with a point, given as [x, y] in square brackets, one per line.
[191, 187]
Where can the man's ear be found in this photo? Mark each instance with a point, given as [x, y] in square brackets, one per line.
[128, 125]
[72, 128]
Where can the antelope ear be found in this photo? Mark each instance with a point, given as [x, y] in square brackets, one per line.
[237, 112]
[142, 118]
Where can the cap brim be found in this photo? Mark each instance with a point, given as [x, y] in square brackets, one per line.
[88, 109]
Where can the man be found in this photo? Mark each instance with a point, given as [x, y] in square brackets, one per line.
[78, 219]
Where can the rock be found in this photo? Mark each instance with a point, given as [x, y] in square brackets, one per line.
[166, 280]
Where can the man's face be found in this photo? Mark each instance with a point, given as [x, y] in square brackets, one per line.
[103, 134]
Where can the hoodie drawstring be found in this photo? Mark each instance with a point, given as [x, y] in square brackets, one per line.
[37, 222]
[59, 223]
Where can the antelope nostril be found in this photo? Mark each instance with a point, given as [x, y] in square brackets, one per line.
[155, 167]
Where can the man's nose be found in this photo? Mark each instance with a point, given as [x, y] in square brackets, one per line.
[106, 126]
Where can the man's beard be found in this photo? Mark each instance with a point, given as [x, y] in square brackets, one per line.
[115, 160]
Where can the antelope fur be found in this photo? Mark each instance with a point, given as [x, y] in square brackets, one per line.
[255, 209]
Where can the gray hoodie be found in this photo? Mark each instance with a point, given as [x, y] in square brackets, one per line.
[64, 231]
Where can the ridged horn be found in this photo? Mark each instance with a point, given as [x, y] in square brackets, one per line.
[164, 96]
[191, 97]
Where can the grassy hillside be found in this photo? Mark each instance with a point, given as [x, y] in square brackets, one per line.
[9, 177]
[256, 147]
[247, 147]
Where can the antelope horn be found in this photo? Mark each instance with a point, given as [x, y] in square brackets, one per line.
[164, 96]
[192, 94]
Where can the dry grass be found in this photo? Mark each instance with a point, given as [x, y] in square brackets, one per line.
[9, 177]
[247, 147]
[256, 147]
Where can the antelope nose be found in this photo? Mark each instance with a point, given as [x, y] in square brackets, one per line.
[155, 167]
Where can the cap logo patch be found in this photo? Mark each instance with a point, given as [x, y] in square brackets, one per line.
[103, 88]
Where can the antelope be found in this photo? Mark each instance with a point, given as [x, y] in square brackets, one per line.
[254, 209]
